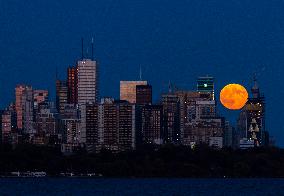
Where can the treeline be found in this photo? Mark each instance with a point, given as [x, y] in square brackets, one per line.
[148, 161]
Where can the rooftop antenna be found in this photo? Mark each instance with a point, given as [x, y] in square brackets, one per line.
[140, 73]
[92, 49]
[170, 87]
[87, 51]
[82, 48]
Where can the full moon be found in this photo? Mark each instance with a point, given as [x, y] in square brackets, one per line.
[233, 96]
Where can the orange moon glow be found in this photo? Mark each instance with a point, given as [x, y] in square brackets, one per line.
[233, 96]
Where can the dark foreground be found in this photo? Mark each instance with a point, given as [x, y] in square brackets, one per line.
[167, 162]
[79, 186]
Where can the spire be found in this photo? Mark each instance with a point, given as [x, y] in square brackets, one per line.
[255, 88]
[170, 87]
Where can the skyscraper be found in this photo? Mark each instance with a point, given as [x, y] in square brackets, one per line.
[24, 108]
[6, 126]
[152, 124]
[40, 96]
[205, 85]
[61, 95]
[171, 120]
[128, 90]
[88, 91]
[92, 130]
[251, 122]
[72, 82]
[143, 94]
[88, 87]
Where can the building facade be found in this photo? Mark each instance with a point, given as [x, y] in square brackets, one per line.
[128, 90]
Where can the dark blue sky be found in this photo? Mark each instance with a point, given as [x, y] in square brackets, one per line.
[171, 40]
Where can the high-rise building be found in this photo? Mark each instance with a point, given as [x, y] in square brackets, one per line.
[19, 91]
[205, 85]
[87, 90]
[88, 87]
[6, 126]
[69, 128]
[126, 126]
[61, 95]
[46, 120]
[171, 118]
[251, 122]
[24, 108]
[128, 90]
[92, 127]
[110, 125]
[72, 82]
[152, 124]
[143, 94]
[40, 96]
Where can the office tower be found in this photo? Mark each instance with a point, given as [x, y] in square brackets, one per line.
[152, 124]
[171, 119]
[143, 94]
[228, 135]
[6, 126]
[46, 125]
[69, 128]
[205, 109]
[19, 91]
[24, 108]
[128, 90]
[108, 124]
[40, 96]
[87, 90]
[198, 111]
[28, 115]
[61, 95]
[251, 122]
[46, 120]
[205, 85]
[87, 81]
[126, 126]
[72, 82]
[92, 130]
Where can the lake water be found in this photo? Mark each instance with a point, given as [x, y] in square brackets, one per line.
[104, 186]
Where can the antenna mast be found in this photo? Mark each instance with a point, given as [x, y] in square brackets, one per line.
[82, 48]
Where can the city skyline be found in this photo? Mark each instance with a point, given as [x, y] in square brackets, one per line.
[232, 51]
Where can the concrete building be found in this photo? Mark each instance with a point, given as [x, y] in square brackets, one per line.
[25, 108]
[87, 90]
[205, 85]
[88, 87]
[171, 118]
[128, 90]
[110, 125]
[143, 94]
[72, 83]
[40, 96]
[251, 122]
[22, 102]
[6, 127]
[152, 124]
[61, 95]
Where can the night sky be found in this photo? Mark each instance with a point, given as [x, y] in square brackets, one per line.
[171, 40]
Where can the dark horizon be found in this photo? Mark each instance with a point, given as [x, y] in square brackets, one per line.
[177, 41]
